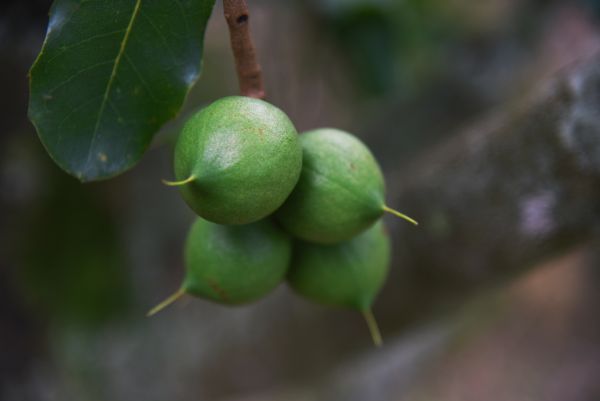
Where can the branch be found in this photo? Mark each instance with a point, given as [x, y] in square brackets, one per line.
[248, 69]
[500, 197]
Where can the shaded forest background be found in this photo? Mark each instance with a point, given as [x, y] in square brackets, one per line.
[472, 310]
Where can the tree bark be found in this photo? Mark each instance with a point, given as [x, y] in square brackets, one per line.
[500, 197]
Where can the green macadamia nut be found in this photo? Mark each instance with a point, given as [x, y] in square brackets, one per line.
[340, 192]
[235, 264]
[349, 274]
[237, 160]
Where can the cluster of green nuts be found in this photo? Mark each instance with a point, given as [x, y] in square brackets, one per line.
[274, 205]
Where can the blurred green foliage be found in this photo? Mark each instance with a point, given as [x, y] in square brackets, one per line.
[400, 46]
[74, 269]
[388, 43]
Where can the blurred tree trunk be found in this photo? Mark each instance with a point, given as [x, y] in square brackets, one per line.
[509, 192]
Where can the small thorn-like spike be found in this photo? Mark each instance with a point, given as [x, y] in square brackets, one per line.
[179, 183]
[174, 297]
[373, 328]
[401, 215]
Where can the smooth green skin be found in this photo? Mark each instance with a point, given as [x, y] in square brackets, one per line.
[109, 75]
[349, 274]
[340, 192]
[235, 264]
[245, 155]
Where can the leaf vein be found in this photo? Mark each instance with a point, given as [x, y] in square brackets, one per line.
[160, 34]
[73, 111]
[72, 77]
[111, 80]
[81, 42]
[144, 83]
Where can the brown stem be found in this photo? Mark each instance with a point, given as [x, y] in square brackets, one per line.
[248, 69]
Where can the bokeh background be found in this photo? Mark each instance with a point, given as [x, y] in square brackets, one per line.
[81, 264]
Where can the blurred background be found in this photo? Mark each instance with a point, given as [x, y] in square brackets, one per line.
[81, 264]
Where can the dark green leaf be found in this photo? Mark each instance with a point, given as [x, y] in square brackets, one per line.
[109, 75]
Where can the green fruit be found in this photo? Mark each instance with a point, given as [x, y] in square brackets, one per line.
[233, 264]
[237, 160]
[348, 274]
[340, 192]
